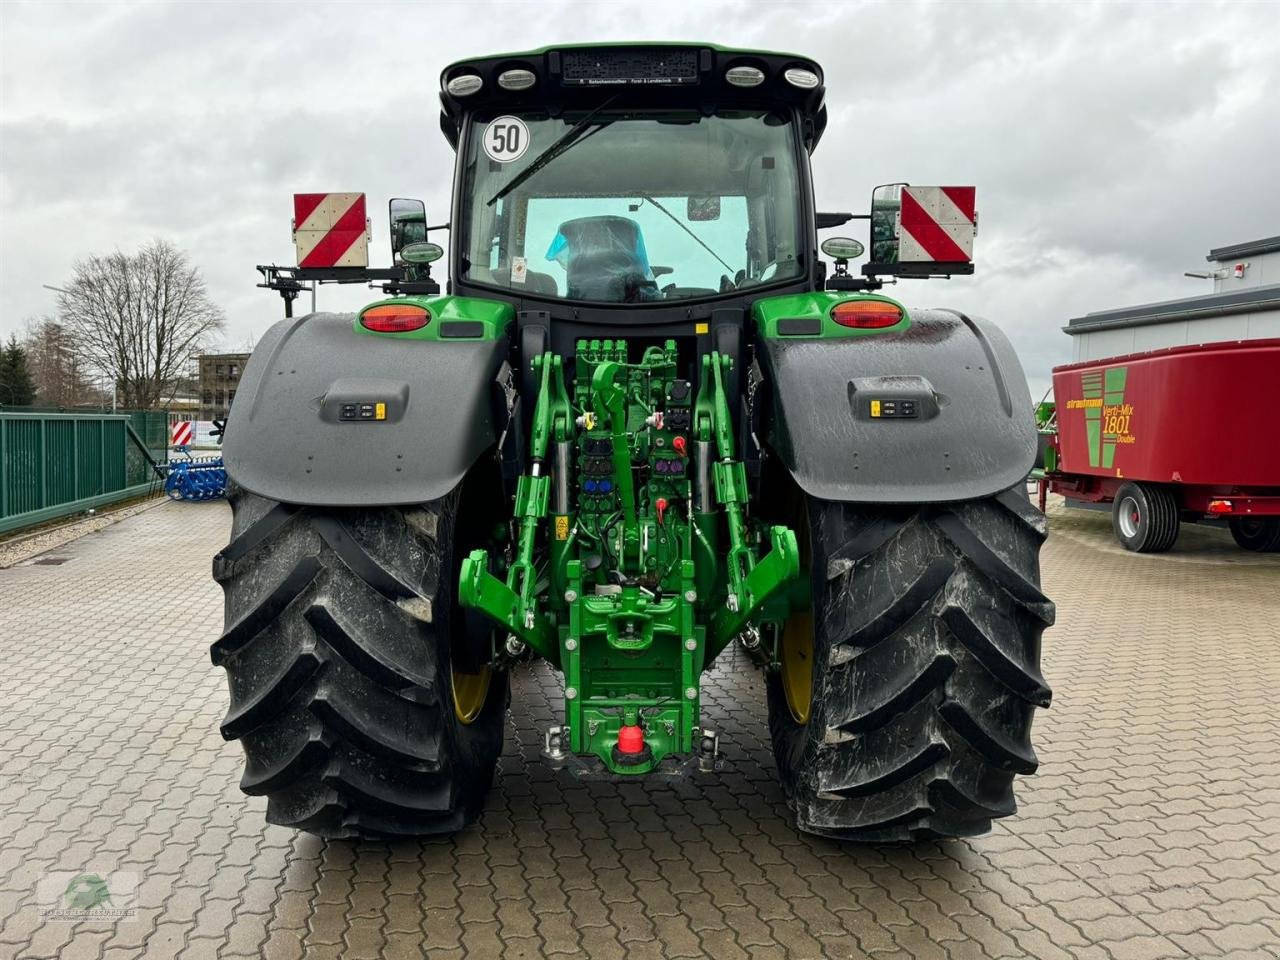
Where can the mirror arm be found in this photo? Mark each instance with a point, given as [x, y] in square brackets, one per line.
[848, 284]
[428, 287]
[825, 221]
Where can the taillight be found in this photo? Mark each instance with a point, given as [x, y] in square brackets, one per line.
[1220, 506]
[395, 318]
[866, 314]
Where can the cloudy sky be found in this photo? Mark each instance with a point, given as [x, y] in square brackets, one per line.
[1112, 144]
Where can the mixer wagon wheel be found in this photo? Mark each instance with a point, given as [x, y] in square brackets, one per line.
[1145, 517]
[1261, 534]
[925, 664]
[359, 691]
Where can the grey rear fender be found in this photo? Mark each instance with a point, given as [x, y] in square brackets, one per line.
[299, 433]
[955, 417]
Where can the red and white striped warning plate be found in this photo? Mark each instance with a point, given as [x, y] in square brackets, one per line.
[182, 433]
[330, 230]
[937, 224]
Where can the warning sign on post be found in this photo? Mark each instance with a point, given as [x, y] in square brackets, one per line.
[937, 224]
[330, 229]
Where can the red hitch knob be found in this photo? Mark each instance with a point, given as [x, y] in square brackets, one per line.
[681, 446]
[661, 506]
[631, 740]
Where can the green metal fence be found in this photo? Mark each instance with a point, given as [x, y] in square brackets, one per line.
[54, 464]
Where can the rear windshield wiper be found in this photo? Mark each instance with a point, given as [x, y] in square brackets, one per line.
[570, 137]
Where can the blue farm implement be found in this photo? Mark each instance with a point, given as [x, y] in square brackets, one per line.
[196, 478]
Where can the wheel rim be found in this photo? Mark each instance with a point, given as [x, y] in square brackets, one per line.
[1251, 527]
[473, 632]
[1129, 517]
[470, 691]
[797, 664]
[796, 643]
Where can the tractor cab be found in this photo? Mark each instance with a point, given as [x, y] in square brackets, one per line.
[658, 178]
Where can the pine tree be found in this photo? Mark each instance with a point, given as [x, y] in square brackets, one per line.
[6, 375]
[17, 389]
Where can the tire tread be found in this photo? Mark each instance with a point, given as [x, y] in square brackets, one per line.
[926, 668]
[335, 683]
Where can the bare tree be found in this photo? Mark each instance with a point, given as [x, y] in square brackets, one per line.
[140, 319]
[60, 373]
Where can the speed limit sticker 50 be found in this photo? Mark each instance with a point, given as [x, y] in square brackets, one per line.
[506, 139]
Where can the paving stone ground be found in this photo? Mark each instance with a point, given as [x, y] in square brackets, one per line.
[1152, 831]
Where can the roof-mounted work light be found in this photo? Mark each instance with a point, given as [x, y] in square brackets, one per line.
[464, 84]
[517, 79]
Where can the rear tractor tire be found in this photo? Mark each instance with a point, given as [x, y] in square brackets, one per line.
[903, 707]
[1261, 534]
[1145, 517]
[359, 691]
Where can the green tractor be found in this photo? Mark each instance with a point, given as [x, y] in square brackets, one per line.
[643, 425]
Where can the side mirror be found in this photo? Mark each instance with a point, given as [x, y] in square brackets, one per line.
[921, 231]
[886, 201]
[702, 208]
[408, 224]
[421, 253]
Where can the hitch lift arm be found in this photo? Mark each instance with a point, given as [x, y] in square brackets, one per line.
[751, 584]
[514, 604]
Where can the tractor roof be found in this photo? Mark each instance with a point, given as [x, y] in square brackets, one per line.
[642, 75]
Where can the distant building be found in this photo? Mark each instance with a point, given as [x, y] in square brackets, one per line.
[219, 377]
[1244, 305]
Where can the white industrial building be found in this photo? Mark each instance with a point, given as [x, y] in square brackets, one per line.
[1244, 305]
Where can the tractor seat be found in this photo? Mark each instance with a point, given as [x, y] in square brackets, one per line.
[604, 259]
